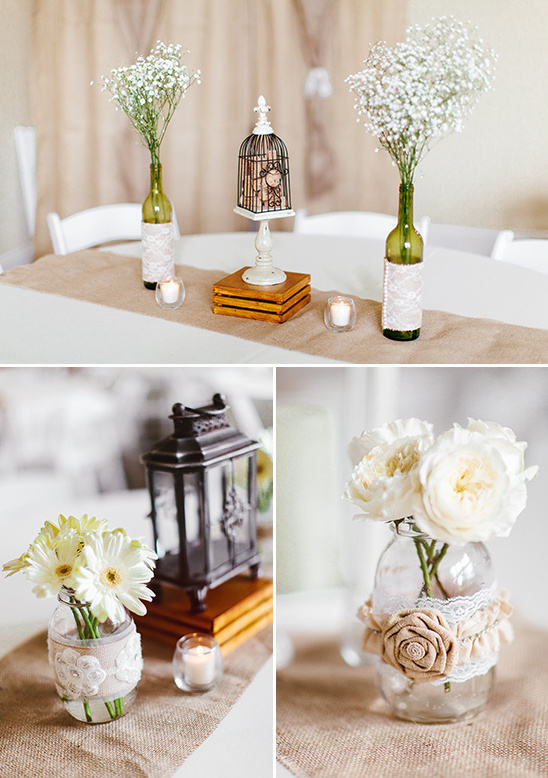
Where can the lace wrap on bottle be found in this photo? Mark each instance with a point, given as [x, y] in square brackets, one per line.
[402, 296]
[108, 667]
[435, 641]
[157, 251]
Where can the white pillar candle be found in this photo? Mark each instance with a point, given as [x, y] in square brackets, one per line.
[170, 291]
[199, 666]
[340, 313]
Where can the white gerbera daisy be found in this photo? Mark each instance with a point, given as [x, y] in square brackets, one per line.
[15, 565]
[80, 526]
[51, 563]
[112, 574]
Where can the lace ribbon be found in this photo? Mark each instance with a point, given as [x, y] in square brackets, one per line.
[158, 251]
[93, 668]
[433, 641]
[402, 296]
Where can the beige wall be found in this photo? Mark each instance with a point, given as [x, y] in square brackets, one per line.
[14, 110]
[495, 173]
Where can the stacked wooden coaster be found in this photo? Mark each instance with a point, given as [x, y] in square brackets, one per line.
[277, 303]
[235, 611]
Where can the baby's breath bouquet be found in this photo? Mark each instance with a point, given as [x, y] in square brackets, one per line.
[150, 90]
[409, 96]
[96, 574]
[416, 92]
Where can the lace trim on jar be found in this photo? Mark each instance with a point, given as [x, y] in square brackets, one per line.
[454, 609]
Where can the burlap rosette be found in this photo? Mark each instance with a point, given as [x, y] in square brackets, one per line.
[425, 647]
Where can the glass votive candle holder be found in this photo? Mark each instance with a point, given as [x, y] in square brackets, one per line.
[170, 292]
[197, 663]
[339, 314]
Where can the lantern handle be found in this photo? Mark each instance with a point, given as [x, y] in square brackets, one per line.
[219, 402]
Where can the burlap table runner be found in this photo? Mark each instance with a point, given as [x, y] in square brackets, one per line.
[333, 724]
[38, 738]
[115, 280]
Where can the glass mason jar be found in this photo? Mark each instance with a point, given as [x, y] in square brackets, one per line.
[96, 665]
[157, 232]
[416, 572]
[402, 286]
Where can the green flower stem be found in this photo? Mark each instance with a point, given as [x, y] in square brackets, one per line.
[77, 620]
[87, 711]
[429, 566]
[424, 567]
[437, 560]
[90, 630]
[112, 710]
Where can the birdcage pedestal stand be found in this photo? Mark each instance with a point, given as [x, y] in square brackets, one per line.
[262, 292]
[264, 273]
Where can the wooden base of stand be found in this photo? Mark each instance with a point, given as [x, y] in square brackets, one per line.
[276, 303]
[235, 611]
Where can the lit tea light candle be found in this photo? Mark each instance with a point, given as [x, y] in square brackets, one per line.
[340, 314]
[170, 290]
[197, 663]
[199, 666]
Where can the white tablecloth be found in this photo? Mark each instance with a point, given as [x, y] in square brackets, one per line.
[43, 328]
[242, 742]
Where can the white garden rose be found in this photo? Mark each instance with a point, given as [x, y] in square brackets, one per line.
[388, 433]
[384, 459]
[504, 439]
[470, 484]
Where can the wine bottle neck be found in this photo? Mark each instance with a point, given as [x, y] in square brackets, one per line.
[156, 177]
[405, 210]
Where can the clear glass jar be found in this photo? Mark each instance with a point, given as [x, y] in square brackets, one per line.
[416, 572]
[96, 665]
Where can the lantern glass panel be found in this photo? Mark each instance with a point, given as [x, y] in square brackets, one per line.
[229, 486]
[192, 508]
[165, 504]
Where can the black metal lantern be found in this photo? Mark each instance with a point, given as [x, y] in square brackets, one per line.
[202, 481]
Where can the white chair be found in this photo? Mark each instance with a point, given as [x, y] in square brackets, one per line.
[530, 253]
[474, 240]
[95, 226]
[362, 224]
[25, 148]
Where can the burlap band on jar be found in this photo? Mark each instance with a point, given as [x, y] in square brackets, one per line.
[108, 667]
[158, 251]
[435, 644]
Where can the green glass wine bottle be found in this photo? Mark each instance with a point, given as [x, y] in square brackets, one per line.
[158, 251]
[402, 288]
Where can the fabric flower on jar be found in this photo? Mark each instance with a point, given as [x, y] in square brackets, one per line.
[420, 644]
[78, 674]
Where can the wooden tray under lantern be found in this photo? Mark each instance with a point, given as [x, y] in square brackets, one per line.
[235, 611]
[277, 303]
